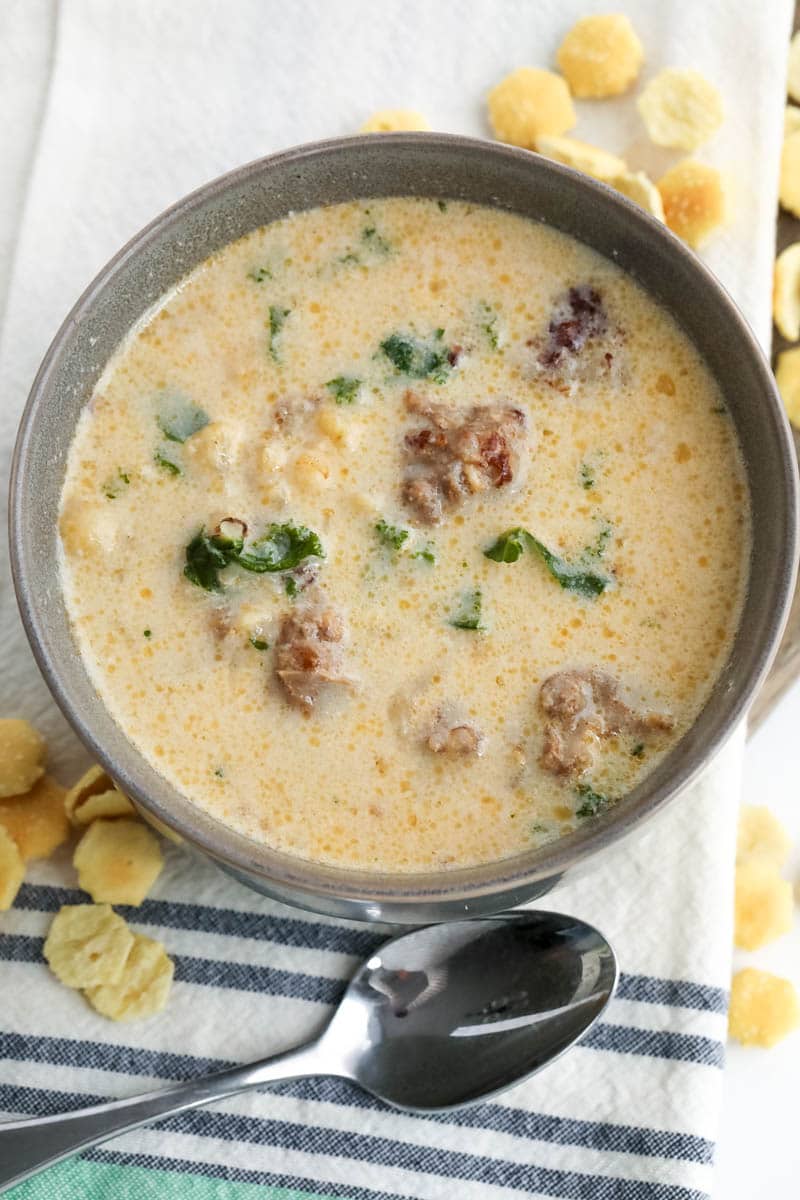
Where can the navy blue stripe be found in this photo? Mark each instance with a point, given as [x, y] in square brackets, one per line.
[354, 940]
[18, 947]
[500, 1118]
[662, 1043]
[105, 1056]
[409, 1156]
[677, 993]
[208, 972]
[246, 977]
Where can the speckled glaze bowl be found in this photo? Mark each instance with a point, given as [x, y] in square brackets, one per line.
[399, 165]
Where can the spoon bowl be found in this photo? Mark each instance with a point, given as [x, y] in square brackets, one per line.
[437, 1018]
[451, 1014]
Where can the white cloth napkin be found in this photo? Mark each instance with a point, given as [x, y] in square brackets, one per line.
[143, 102]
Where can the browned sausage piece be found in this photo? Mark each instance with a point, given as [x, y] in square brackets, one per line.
[581, 344]
[457, 453]
[582, 707]
[309, 652]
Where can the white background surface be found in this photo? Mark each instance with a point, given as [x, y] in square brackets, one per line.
[759, 1152]
[758, 1155]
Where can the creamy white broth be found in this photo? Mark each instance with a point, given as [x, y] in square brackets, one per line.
[638, 461]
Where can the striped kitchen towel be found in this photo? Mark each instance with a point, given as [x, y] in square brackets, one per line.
[629, 1113]
[128, 106]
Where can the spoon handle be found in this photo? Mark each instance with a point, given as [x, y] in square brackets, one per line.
[29, 1146]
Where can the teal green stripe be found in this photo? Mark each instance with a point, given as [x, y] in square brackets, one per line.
[76, 1179]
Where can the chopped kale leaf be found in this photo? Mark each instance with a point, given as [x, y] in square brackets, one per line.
[509, 546]
[469, 612]
[373, 245]
[116, 485]
[163, 460]
[206, 556]
[592, 802]
[280, 548]
[587, 476]
[427, 553]
[575, 577]
[179, 418]
[488, 322]
[375, 241]
[345, 388]
[391, 536]
[277, 320]
[598, 547]
[418, 358]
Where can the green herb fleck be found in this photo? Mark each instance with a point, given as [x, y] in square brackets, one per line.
[575, 577]
[598, 547]
[116, 485]
[538, 827]
[442, 205]
[280, 548]
[391, 536]
[427, 553]
[179, 418]
[219, 772]
[291, 587]
[470, 612]
[488, 319]
[277, 319]
[258, 643]
[720, 408]
[162, 459]
[592, 802]
[587, 476]
[259, 274]
[637, 751]
[416, 358]
[344, 388]
[372, 243]
[148, 633]
[375, 241]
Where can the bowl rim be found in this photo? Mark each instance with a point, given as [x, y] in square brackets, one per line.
[301, 880]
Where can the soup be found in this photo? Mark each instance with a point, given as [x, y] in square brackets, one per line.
[405, 534]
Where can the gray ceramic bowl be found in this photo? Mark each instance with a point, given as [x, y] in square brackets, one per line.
[420, 165]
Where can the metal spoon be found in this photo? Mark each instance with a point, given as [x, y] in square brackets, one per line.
[437, 1018]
